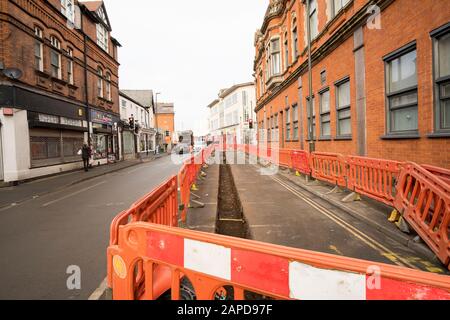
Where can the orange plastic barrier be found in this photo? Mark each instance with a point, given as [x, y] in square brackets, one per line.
[185, 190]
[329, 167]
[221, 267]
[424, 200]
[159, 206]
[441, 173]
[285, 158]
[300, 161]
[374, 178]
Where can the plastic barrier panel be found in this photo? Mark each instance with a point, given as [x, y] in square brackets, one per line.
[159, 206]
[285, 158]
[329, 167]
[218, 267]
[374, 178]
[300, 161]
[441, 173]
[185, 190]
[424, 200]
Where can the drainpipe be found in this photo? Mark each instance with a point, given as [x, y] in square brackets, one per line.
[312, 145]
[86, 93]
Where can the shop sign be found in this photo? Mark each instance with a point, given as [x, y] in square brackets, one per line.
[101, 117]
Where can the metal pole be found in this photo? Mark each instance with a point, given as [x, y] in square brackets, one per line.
[156, 122]
[312, 146]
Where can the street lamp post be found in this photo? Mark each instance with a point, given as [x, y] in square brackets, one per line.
[312, 145]
[156, 121]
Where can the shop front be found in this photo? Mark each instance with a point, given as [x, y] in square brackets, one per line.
[104, 137]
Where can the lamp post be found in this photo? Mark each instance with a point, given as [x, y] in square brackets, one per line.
[156, 121]
[312, 146]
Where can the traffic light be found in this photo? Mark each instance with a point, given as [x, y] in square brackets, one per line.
[250, 123]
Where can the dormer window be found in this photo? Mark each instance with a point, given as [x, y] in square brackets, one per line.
[68, 9]
[102, 37]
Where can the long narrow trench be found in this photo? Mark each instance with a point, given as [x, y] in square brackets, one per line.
[230, 216]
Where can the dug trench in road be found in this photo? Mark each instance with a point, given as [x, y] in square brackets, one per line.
[41, 238]
[278, 212]
[230, 216]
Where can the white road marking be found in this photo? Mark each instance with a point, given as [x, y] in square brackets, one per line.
[98, 293]
[72, 194]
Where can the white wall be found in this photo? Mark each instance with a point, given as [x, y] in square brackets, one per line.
[146, 119]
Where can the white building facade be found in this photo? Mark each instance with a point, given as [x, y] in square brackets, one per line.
[232, 115]
[137, 133]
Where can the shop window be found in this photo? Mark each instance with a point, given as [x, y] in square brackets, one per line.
[45, 148]
[71, 146]
[99, 146]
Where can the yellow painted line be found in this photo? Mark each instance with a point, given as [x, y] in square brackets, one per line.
[355, 232]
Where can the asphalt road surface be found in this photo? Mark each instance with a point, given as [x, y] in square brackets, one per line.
[41, 238]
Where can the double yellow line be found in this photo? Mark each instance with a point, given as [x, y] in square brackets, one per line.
[392, 256]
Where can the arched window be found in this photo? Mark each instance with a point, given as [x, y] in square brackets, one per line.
[55, 57]
[108, 86]
[100, 82]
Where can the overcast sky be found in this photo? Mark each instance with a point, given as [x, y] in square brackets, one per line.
[187, 50]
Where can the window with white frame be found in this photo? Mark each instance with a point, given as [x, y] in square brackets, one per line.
[102, 37]
[325, 115]
[38, 49]
[286, 51]
[338, 5]
[108, 86]
[70, 66]
[294, 40]
[68, 9]
[401, 91]
[295, 121]
[55, 57]
[275, 56]
[313, 19]
[441, 51]
[311, 119]
[100, 82]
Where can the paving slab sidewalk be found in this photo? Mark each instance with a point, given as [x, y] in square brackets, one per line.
[276, 215]
[204, 219]
[25, 191]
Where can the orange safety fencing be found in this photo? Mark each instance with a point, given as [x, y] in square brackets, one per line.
[301, 161]
[216, 267]
[329, 167]
[374, 178]
[441, 173]
[285, 158]
[424, 200]
[159, 206]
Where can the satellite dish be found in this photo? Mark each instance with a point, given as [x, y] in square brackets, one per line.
[13, 73]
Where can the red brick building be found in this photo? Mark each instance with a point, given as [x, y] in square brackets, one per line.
[63, 90]
[380, 77]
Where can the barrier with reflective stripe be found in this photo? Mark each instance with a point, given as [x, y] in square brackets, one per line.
[159, 206]
[424, 200]
[213, 263]
[329, 167]
[374, 178]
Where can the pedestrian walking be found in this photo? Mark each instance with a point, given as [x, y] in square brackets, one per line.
[86, 155]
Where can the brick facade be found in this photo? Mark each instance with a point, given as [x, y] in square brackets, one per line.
[346, 47]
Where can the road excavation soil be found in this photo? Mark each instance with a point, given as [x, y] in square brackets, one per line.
[230, 217]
